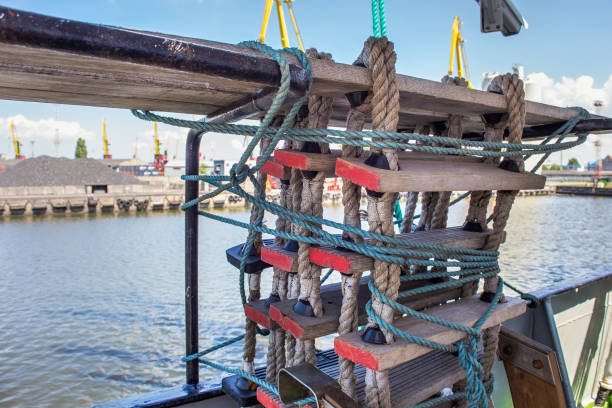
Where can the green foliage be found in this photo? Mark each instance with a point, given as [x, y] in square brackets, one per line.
[81, 149]
[573, 162]
[554, 167]
[204, 169]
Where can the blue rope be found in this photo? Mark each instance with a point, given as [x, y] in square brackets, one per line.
[470, 264]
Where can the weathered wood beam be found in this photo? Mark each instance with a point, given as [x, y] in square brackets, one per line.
[48, 59]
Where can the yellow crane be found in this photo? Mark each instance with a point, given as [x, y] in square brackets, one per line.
[107, 155]
[16, 143]
[157, 142]
[159, 160]
[281, 23]
[457, 47]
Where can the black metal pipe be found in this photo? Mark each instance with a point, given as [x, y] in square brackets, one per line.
[40, 31]
[541, 131]
[192, 167]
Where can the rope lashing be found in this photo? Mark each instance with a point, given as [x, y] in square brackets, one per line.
[464, 265]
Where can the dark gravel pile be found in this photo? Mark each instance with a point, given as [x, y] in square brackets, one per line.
[59, 171]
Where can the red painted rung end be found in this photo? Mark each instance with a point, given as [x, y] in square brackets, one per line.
[358, 174]
[286, 323]
[257, 316]
[337, 262]
[274, 169]
[355, 354]
[291, 159]
[271, 400]
[278, 259]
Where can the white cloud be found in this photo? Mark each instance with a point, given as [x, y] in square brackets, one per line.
[236, 144]
[569, 91]
[45, 128]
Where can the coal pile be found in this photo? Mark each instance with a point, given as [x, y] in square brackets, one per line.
[59, 171]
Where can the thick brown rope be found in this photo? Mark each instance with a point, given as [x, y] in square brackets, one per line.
[351, 197]
[512, 87]
[378, 55]
[319, 113]
[254, 279]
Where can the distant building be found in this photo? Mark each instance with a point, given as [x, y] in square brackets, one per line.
[606, 164]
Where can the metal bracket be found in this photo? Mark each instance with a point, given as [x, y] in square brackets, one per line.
[303, 381]
[527, 354]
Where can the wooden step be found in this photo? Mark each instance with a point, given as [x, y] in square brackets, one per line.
[327, 162]
[304, 327]
[258, 311]
[348, 262]
[430, 175]
[275, 169]
[465, 312]
[411, 383]
[279, 257]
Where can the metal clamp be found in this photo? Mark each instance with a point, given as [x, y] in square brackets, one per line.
[303, 381]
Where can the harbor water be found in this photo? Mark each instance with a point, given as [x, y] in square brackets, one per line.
[91, 308]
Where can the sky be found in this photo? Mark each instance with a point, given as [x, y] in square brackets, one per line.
[564, 51]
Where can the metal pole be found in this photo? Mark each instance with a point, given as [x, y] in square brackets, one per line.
[556, 343]
[192, 167]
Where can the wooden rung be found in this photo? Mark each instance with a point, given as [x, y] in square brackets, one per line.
[465, 312]
[349, 262]
[430, 175]
[276, 256]
[258, 312]
[327, 162]
[411, 383]
[307, 161]
[303, 327]
[275, 169]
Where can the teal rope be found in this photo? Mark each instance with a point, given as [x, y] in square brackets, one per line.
[379, 24]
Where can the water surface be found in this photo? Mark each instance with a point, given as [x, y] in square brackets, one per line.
[91, 308]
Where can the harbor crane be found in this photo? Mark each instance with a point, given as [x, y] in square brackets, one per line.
[281, 23]
[16, 143]
[159, 159]
[457, 47]
[107, 155]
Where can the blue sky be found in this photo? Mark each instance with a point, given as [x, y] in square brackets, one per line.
[564, 40]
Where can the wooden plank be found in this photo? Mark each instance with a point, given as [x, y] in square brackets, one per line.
[275, 255]
[348, 262]
[410, 383]
[258, 312]
[304, 327]
[33, 44]
[430, 175]
[532, 370]
[272, 168]
[465, 312]
[327, 162]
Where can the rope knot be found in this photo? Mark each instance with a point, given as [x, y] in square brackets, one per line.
[242, 174]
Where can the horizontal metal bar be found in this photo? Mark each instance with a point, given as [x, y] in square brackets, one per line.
[40, 31]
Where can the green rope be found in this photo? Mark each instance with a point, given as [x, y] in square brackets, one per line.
[379, 24]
